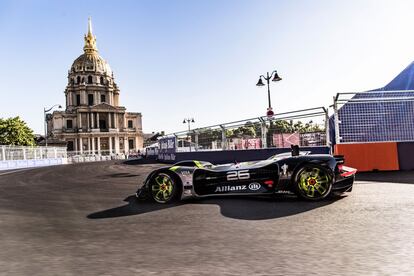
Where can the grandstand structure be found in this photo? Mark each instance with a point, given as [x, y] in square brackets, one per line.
[374, 129]
[380, 115]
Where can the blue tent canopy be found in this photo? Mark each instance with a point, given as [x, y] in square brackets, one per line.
[403, 81]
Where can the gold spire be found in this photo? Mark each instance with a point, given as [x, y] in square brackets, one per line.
[90, 40]
[89, 26]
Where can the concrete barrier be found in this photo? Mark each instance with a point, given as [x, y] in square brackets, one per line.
[31, 163]
[370, 156]
[406, 155]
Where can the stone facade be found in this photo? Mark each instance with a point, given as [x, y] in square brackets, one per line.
[93, 120]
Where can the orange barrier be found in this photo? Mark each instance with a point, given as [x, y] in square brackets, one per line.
[370, 156]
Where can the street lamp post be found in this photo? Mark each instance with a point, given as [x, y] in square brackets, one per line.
[189, 121]
[44, 116]
[267, 78]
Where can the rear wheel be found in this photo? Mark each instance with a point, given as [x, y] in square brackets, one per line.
[313, 182]
[164, 188]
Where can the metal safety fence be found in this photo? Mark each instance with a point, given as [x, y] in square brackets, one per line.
[23, 156]
[9, 153]
[102, 155]
[306, 127]
[374, 116]
[16, 157]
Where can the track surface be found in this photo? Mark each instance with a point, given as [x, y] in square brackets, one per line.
[72, 220]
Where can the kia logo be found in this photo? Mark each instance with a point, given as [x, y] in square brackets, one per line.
[254, 186]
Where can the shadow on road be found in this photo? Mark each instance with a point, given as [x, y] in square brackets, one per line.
[406, 177]
[140, 161]
[246, 208]
[122, 175]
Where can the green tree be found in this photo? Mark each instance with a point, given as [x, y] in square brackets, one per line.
[206, 136]
[249, 129]
[14, 131]
[284, 126]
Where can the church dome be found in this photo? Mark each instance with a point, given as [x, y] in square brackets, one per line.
[91, 61]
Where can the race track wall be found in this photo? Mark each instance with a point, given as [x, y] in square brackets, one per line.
[386, 156]
[406, 155]
[31, 163]
[229, 156]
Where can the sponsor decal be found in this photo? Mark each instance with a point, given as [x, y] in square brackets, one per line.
[185, 172]
[254, 186]
[228, 188]
[166, 156]
[284, 192]
[167, 144]
[284, 169]
[167, 147]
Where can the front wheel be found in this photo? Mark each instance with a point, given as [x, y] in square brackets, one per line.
[164, 188]
[313, 182]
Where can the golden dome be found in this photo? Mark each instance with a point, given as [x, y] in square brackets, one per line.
[90, 61]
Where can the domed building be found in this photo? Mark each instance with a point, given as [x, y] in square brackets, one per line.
[93, 120]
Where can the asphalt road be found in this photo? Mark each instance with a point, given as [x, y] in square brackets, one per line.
[73, 220]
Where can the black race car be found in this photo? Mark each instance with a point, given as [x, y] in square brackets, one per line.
[309, 176]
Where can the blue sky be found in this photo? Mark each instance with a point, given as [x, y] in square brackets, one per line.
[175, 59]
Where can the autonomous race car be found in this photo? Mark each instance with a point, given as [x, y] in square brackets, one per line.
[309, 176]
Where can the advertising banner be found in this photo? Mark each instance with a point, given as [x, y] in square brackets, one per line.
[311, 139]
[285, 140]
[167, 148]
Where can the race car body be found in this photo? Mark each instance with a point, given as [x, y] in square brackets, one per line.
[311, 177]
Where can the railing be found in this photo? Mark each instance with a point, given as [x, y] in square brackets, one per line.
[306, 127]
[8, 153]
[103, 155]
[12, 157]
[15, 157]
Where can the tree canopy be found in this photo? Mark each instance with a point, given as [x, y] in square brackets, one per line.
[14, 131]
[284, 126]
[253, 130]
[250, 129]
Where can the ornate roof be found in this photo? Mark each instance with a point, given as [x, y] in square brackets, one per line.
[90, 61]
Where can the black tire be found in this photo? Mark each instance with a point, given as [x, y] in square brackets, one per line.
[313, 182]
[164, 187]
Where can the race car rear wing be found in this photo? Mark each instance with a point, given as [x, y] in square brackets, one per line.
[339, 159]
[344, 170]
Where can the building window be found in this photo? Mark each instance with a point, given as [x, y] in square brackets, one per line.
[130, 124]
[131, 144]
[78, 80]
[70, 145]
[90, 99]
[103, 98]
[69, 124]
[102, 124]
[78, 100]
[101, 80]
[89, 79]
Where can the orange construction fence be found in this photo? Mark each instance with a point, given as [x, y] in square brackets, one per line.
[370, 156]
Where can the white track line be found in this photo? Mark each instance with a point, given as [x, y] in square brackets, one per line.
[16, 170]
